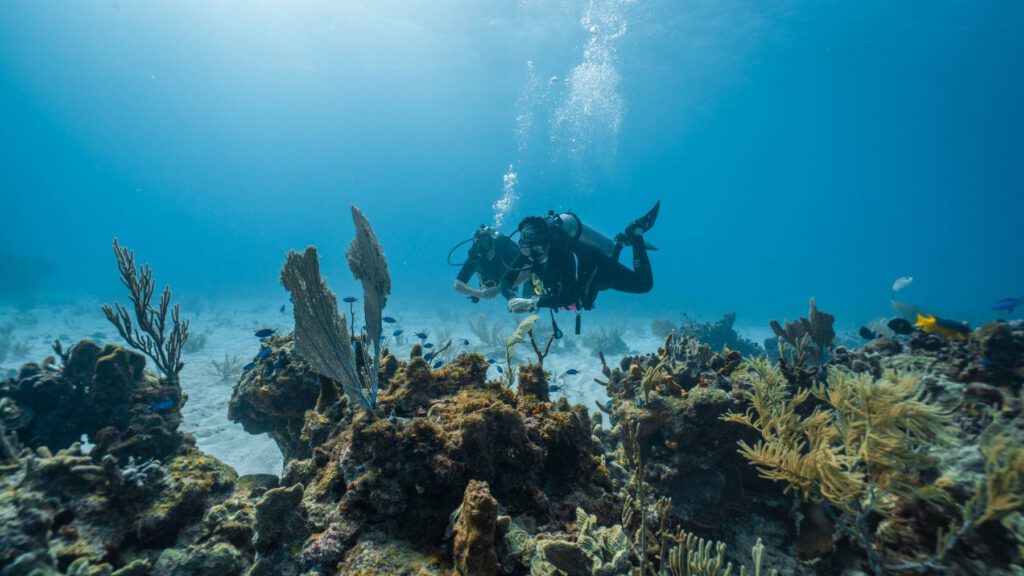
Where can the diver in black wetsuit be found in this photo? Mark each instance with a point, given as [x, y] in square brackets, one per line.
[571, 262]
[489, 257]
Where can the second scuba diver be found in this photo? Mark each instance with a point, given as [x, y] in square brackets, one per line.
[489, 257]
[572, 262]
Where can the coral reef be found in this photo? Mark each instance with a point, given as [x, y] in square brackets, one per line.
[405, 474]
[139, 502]
[902, 456]
[718, 335]
[274, 395]
[103, 393]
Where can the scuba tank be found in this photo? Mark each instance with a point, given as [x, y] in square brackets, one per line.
[585, 239]
[582, 237]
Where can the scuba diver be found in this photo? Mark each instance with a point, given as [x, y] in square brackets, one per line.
[571, 262]
[489, 257]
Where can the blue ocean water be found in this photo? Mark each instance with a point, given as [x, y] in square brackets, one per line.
[799, 148]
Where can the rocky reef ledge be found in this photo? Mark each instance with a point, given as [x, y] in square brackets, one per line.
[456, 474]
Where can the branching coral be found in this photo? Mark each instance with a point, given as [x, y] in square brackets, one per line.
[693, 556]
[998, 494]
[488, 334]
[225, 370]
[861, 452]
[151, 337]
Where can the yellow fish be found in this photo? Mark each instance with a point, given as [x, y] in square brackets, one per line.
[948, 328]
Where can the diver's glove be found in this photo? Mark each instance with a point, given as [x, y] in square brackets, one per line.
[522, 304]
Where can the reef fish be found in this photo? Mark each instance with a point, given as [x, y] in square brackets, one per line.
[608, 404]
[465, 341]
[349, 299]
[421, 335]
[438, 364]
[900, 326]
[428, 356]
[500, 371]
[161, 405]
[263, 353]
[866, 334]
[1008, 304]
[282, 308]
[264, 332]
[491, 360]
[901, 283]
[554, 388]
[248, 366]
[572, 371]
[396, 333]
[428, 345]
[639, 402]
[948, 328]
[388, 320]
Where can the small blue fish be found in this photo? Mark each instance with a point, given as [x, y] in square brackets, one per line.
[491, 360]
[608, 404]
[248, 366]
[263, 353]
[282, 308]
[428, 345]
[428, 356]
[500, 371]
[349, 299]
[1008, 304]
[438, 364]
[465, 341]
[554, 388]
[639, 402]
[987, 362]
[421, 335]
[161, 405]
[264, 332]
[396, 333]
[389, 320]
[572, 371]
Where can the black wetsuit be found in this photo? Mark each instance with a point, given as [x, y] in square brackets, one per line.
[491, 271]
[576, 278]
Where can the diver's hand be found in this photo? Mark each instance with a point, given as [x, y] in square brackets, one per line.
[490, 291]
[522, 305]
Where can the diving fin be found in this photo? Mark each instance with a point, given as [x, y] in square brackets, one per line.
[644, 223]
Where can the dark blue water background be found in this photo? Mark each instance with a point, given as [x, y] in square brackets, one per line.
[799, 148]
